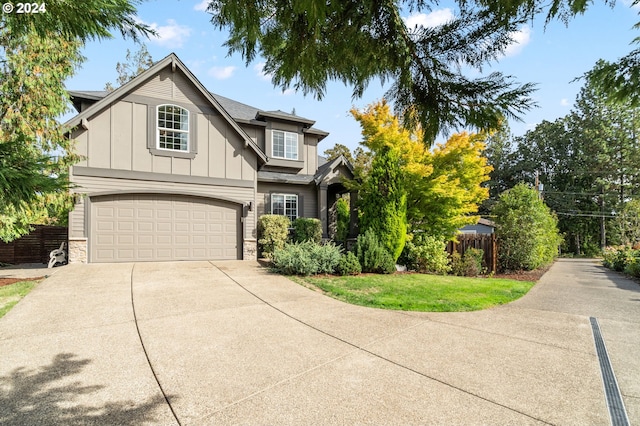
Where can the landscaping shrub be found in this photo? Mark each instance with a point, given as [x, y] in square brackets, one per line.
[343, 219]
[328, 257]
[273, 230]
[526, 229]
[307, 229]
[306, 258]
[425, 253]
[349, 264]
[617, 258]
[468, 265]
[373, 257]
[633, 266]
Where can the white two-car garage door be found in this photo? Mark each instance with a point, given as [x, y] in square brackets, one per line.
[156, 227]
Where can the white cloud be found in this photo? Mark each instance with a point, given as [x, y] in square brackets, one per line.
[221, 73]
[288, 92]
[259, 68]
[201, 6]
[564, 102]
[172, 35]
[520, 38]
[429, 20]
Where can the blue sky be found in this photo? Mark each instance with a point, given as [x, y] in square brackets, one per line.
[551, 57]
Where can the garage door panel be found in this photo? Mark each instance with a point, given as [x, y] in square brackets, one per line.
[148, 227]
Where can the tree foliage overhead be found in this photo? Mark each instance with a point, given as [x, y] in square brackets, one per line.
[79, 20]
[308, 43]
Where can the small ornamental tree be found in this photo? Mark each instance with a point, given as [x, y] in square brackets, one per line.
[526, 230]
[383, 203]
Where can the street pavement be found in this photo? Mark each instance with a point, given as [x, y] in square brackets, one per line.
[204, 343]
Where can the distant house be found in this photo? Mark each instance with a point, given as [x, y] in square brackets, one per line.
[170, 171]
[484, 226]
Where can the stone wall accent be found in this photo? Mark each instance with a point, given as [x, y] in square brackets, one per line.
[250, 249]
[77, 250]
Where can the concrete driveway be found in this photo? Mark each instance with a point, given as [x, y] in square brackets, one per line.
[199, 343]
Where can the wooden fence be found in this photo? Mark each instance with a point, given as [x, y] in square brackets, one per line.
[34, 247]
[486, 242]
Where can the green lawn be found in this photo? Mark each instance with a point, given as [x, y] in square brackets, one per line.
[12, 293]
[420, 292]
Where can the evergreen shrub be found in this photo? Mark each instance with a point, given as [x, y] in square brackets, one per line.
[306, 258]
[372, 255]
[349, 264]
[273, 231]
[307, 229]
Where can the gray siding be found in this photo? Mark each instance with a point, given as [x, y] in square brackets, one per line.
[307, 192]
[118, 137]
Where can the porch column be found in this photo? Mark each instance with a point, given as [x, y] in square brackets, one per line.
[323, 211]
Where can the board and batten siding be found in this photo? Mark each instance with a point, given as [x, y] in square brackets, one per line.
[98, 185]
[118, 136]
[307, 192]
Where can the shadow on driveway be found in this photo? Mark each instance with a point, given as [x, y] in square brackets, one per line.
[28, 396]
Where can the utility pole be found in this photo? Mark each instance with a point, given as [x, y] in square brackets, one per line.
[539, 186]
[603, 236]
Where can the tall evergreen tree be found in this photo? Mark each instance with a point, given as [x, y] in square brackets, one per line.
[383, 202]
[37, 53]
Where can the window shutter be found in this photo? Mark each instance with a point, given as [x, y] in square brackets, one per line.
[267, 203]
[300, 205]
[151, 127]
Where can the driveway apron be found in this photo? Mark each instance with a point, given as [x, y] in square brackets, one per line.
[198, 343]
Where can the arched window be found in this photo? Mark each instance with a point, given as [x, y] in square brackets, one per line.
[173, 128]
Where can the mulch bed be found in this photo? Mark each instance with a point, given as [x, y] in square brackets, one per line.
[7, 281]
[523, 275]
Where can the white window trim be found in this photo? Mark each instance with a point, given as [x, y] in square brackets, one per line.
[284, 138]
[158, 128]
[285, 203]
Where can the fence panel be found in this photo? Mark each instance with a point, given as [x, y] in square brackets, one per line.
[34, 247]
[486, 242]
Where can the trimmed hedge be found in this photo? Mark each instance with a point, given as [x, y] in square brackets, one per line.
[273, 230]
[307, 229]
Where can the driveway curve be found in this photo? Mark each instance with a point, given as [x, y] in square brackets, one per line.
[198, 343]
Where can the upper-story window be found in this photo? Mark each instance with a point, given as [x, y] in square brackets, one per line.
[285, 145]
[173, 128]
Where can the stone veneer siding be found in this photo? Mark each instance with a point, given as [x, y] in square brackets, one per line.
[77, 250]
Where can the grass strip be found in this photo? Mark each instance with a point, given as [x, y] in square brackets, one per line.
[11, 294]
[420, 292]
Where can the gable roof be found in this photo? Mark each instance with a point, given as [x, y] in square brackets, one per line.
[240, 112]
[330, 166]
[105, 98]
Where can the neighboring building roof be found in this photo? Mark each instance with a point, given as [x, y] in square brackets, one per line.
[486, 222]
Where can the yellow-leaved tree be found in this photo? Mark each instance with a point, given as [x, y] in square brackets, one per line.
[444, 184]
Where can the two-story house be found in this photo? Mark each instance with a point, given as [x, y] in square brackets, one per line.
[170, 171]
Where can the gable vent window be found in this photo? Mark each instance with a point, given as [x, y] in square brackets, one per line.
[285, 145]
[173, 128]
